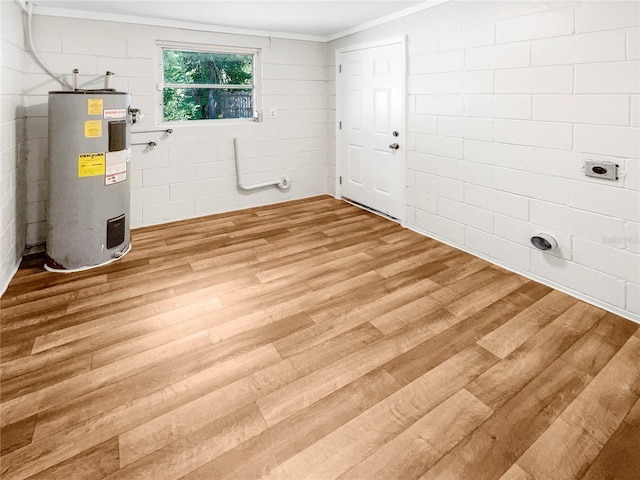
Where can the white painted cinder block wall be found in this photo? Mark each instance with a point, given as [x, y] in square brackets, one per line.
[506, 101]
[192, 172]
[12, 121]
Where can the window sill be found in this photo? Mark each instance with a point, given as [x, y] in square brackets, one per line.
[209, 123]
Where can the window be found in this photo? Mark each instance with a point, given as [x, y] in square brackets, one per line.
[208, 85]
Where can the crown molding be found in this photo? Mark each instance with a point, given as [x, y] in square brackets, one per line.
[204, 27]
[161, 22]
[387, 18]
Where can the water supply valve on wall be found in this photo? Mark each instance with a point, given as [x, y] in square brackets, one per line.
[151, 143]
[136, 114]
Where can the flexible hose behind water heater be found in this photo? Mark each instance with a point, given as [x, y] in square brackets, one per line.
[29, 12]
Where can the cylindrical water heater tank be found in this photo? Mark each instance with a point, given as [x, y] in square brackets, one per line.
[89, 196]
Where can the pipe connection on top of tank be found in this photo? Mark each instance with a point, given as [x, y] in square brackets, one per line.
[107, 80]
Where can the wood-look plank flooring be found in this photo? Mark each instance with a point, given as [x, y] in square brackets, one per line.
[310, 340]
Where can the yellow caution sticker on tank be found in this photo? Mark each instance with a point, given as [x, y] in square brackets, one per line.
[95, 106]
[91, 164]
[92, 128]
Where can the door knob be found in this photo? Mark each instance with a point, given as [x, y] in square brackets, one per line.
[394, 146]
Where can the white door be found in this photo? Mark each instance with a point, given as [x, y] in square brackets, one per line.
[370, 120]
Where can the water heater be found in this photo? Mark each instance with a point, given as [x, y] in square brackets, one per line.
[88, 171]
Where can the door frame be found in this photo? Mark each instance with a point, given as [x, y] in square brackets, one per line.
[403, 122]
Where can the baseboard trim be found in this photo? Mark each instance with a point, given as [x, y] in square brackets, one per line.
[562, 288]
[5, 285]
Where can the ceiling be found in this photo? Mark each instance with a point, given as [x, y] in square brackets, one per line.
[323, 19]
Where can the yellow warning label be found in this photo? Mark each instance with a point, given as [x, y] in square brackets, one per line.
[91, 164]
[92, 128]
[95, 106]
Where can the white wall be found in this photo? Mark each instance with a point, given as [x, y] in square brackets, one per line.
[191, 173]
[12, 165]
[506, 101]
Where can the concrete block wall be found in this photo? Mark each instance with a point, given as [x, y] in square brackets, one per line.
[191, 172]
[13, 169]
[506, 102]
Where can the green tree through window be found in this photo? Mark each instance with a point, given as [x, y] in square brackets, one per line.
[207, 85]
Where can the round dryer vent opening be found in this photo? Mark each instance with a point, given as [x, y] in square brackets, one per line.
[543, 241]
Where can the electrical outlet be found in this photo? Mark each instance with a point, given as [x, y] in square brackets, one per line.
[272, 113]
[606, 170]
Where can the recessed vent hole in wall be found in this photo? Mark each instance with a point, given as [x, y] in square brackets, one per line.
[543, 241]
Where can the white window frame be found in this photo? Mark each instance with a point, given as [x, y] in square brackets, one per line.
[190, 47]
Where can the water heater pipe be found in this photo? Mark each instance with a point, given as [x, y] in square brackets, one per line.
[282, 184]
[107, 80]
[29, 12]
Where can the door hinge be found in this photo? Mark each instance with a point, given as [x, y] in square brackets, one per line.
[340, 125]
[339, 68]
[340, 179]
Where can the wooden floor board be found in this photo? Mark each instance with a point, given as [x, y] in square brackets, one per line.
[15, 348]
[353, 442]
[517, 369]
[309, 339]
[567, 450]
[58, 318]
[305, 391]
[410, 365]
[164, 429]
[197, 448]
[516, 473]
[413, 451]
[202, 367]
[619, 458]
[38, 379]
[508, 337]
[91, 464]
[52, 395]
[17, 435]
[607, 400]
[600, 343]
[140, 319]
[52, 449]
[490, 450]
[265, 452]
[634, 415]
